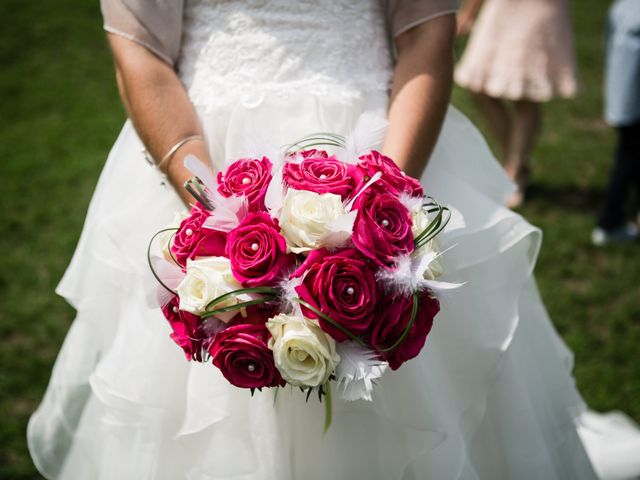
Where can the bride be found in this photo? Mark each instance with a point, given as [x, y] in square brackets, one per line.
[490, 397]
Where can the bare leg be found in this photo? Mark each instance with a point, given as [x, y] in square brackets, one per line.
[499, 118]
[524, 133]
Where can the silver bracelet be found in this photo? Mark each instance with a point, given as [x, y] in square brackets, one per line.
[171, 151]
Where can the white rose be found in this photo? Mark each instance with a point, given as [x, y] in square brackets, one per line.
[206, 279]
[306, 218]
[432, 248]
[303, 353]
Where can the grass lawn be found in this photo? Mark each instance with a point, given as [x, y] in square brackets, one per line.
[59, 114]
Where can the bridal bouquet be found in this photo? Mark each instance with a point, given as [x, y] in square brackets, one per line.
[303, 268]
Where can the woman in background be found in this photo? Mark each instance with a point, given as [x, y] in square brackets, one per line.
[519, 55]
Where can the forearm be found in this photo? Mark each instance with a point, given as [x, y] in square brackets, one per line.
[420, 93]
[158, 105]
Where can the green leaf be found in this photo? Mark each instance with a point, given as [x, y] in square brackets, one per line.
[197, 192]
[241, 291]
[237, 306]
[175, 260]
[309, 390]
[414, 314]
[435, 226]
[149, 259]
[317, 139]
[353, 337]
[328, 409]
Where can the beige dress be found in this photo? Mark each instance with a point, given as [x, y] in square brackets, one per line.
[520, 50]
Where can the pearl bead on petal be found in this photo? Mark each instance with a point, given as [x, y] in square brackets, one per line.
[246, 180]
[323, 177]
[385, 223]
[189, 232]
[175, 309]
[350, 291]
[254, 247]
[251, 367]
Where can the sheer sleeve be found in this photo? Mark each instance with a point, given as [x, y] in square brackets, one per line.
[154, 24]
[405, 14]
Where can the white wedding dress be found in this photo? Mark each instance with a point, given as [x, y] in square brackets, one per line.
[490, 397]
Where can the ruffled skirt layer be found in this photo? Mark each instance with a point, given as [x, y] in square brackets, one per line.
[490, 397]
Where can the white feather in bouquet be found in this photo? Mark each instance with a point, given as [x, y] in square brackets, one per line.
[409, 275]
[340, 230]
[357, 372]
[274, 197]
[258, 147]
[367, 135]
[201, 171]
[169, 274]
[227, 212]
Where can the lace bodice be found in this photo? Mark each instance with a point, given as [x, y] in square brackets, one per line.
[244, 50]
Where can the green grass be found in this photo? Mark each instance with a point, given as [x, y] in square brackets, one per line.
[60, 113]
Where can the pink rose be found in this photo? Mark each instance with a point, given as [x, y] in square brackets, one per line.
[192, 241]
[320, 173]
[382, 230]
[257, 251]
[242, 355]
[343, 287]
[187, 331]
[393, 179]
[313, 153]
[249, 177]
[391, 321]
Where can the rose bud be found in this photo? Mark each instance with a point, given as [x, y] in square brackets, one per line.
[192, 240]
[393, 179]
[249, 177]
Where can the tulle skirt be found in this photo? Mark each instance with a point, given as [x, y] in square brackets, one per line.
[491, 396]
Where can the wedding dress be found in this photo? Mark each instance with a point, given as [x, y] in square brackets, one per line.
[490, 397]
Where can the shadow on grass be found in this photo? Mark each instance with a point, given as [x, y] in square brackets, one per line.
[568, 197]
